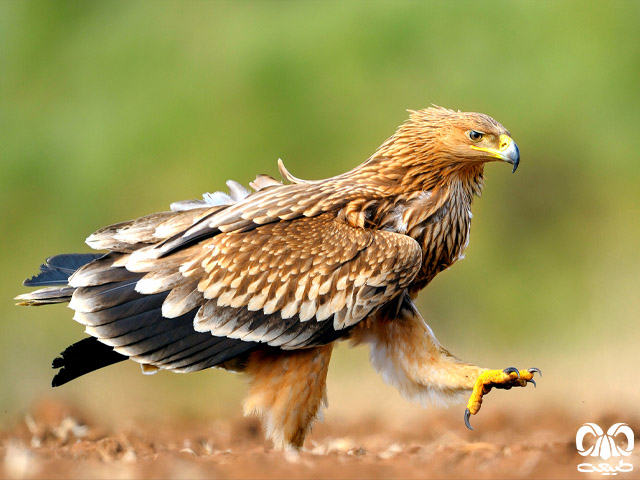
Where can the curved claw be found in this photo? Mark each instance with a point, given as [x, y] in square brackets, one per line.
[467, 415]
[534, 370]
[532, 381]
[509, 370]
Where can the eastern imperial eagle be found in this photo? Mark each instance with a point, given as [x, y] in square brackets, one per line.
[266, 282]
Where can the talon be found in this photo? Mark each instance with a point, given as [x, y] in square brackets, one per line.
[509, 370]
[534, 370]
[501, 379]
[467, 415]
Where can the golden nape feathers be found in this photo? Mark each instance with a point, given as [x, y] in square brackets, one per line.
[264, 282]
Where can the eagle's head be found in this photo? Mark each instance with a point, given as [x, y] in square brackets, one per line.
[461, 138]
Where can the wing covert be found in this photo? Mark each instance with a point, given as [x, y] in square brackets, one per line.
[290, 284]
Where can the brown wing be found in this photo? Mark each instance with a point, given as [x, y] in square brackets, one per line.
[210, 281]
[288, 284]
[163, 233]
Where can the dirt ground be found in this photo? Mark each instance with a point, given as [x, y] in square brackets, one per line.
[56, 441]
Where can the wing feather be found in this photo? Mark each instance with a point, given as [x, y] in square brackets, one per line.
[212, 280]
[310, 271]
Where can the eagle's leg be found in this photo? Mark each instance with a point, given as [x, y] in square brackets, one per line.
[287, 390]
[408, 356]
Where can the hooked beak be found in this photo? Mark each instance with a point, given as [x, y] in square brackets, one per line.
[507, 151]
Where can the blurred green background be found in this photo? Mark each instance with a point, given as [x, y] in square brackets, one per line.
[111, 110]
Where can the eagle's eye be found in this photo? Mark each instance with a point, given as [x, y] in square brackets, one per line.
[474, 135]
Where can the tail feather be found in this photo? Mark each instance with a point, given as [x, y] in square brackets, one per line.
[83, 357]
[54, 276]
[45, 296]
[57, 269]
[125, 323]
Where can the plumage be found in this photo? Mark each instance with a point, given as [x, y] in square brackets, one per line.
[57, 269]
[83, 357]
[261, 281]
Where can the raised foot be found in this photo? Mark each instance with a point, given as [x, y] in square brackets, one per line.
[505, 379]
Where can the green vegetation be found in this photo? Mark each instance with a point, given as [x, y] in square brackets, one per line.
[111, 110]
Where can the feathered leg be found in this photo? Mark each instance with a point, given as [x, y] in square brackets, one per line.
[287, 390]
[407, 354]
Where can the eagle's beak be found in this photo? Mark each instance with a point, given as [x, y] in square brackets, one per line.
[507, 151]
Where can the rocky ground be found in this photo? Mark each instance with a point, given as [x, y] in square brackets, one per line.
[56, 441]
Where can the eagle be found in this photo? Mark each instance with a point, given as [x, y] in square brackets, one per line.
[265, 282]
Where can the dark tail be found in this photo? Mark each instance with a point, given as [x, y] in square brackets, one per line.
[83, 357]
[125, 323]
[88, 354]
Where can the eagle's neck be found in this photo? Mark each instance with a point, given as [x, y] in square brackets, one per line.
[406, 163]
[421, 190]
[426, 195]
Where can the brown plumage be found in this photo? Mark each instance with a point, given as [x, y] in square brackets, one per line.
[265, 282]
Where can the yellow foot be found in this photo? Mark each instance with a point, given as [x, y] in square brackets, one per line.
[505, 379]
